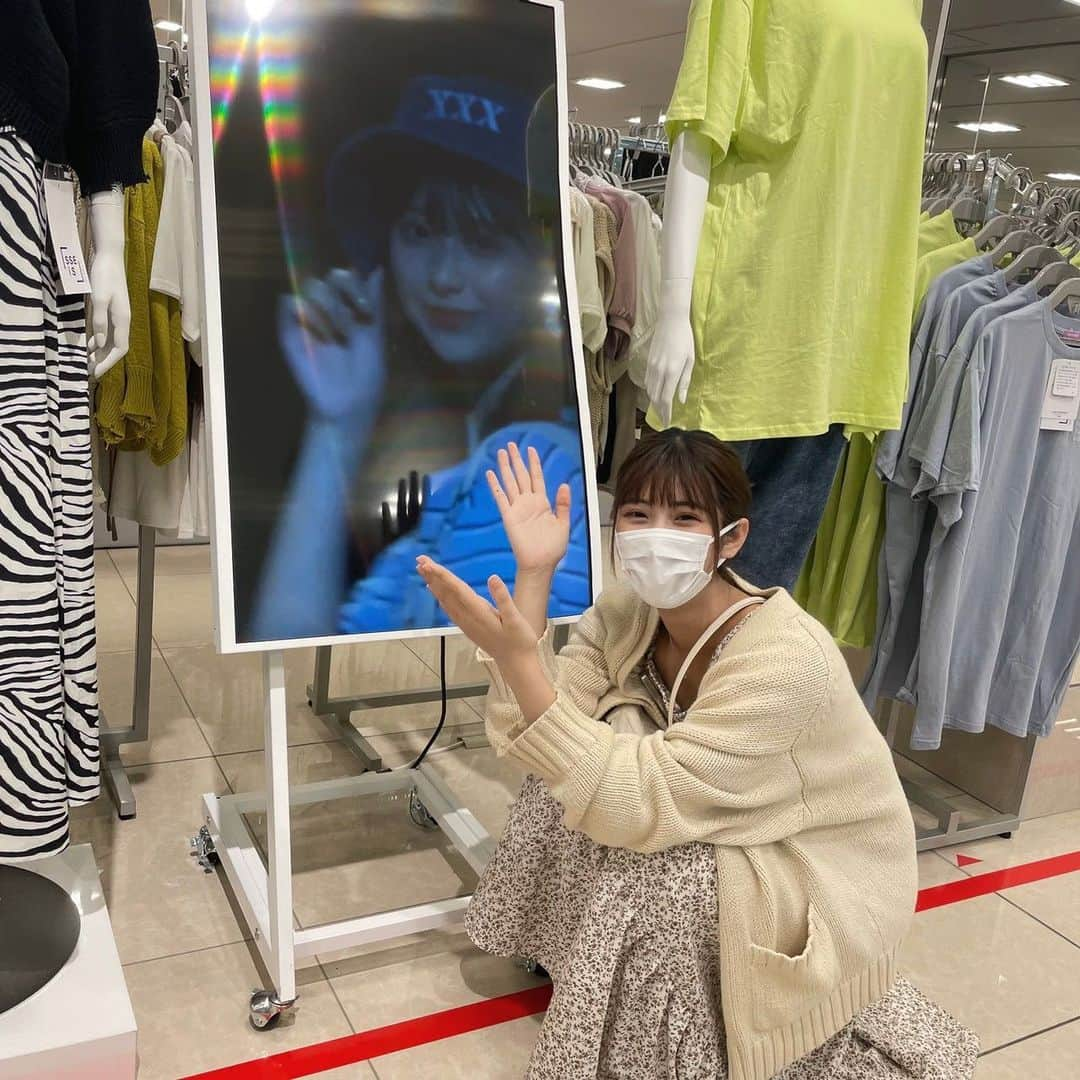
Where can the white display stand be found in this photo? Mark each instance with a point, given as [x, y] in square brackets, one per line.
[81, 1025]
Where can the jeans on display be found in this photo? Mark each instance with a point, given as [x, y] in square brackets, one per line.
[791, 480]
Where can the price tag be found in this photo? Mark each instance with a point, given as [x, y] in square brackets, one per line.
[1061, 405]
[60, 211]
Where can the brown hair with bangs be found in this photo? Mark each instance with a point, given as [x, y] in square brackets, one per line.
[675, 466]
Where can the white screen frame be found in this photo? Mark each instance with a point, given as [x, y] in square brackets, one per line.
[222, 554]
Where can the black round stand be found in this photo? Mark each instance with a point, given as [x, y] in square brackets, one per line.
[39, 929]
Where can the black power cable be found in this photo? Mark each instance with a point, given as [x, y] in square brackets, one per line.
[442, 718]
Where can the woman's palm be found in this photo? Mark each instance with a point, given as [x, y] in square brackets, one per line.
[539, 533]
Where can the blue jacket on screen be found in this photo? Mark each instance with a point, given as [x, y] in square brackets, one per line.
[461, 529]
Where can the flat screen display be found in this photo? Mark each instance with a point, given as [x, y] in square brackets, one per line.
[389, 301]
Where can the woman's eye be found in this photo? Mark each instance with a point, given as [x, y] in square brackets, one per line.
[415, 230]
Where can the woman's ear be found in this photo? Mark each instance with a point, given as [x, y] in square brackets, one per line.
[734, 541]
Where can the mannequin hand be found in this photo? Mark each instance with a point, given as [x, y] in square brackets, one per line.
[501, 631]
[671, 358]
[539, 536]
[108, 281]
[334, 338]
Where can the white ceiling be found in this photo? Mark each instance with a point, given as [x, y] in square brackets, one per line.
[640, 42]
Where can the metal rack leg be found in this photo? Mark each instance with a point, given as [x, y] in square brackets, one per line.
[116, 779]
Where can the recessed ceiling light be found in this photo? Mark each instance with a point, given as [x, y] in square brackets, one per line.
[167, 25]
[991, 127]
[1063, 176]
[1035, 80]
[601, 84]
[637, 119]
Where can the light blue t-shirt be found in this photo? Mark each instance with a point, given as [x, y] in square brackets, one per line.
[959, 309]
[1000, 625]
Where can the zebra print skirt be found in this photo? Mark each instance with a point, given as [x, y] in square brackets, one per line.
[49, 758]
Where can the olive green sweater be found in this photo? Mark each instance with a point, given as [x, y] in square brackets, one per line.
[141, 402]
[781, 767]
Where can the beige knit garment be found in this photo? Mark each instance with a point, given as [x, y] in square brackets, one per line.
[781, 767]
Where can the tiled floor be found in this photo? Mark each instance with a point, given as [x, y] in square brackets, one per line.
[1007, 964]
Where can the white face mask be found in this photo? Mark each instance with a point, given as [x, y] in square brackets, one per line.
[665, 566]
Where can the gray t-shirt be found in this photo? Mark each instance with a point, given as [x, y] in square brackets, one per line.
[897, 636]
[1000, 625]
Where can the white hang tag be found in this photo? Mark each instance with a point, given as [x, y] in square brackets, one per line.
[60, 211]
[1061, 405]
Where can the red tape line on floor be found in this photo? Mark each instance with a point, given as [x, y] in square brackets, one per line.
[993, 881]
[312, 1060]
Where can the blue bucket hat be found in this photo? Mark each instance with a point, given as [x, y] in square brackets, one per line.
[474, 119]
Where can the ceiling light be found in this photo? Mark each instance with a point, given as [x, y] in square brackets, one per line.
[637, 119]
[1035, 80]
[605, 84]
[168, 25]
[1063, 176]
[991, 127]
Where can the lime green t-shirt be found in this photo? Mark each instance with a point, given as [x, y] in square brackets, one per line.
[816, 112]
[937, 232]
[935, 263]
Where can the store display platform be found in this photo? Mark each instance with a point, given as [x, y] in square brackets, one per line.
[80, 1025]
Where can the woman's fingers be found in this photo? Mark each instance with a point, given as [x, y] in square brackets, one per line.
[497, 493]
[536, 472]
[562, 503]
[521, 474]
[466, 607]
[510, 484]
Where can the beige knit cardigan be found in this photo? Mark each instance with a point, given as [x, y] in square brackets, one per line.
[780, 766]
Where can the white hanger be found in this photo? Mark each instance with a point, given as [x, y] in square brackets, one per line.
[1065, 291]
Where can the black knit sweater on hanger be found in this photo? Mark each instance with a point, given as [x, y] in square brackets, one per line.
[78, 81]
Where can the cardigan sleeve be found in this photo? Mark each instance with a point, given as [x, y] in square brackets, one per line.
[579, 673]
[113, 91]
[727, 774]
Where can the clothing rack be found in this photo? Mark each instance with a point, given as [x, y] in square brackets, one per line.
[172, 79]
[985, 178]
[112, 767]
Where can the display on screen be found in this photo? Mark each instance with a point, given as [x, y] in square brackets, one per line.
[388, 214]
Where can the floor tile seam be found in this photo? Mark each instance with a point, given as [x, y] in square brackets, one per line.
[1031, 915]
[166, 761]
[186, 952]
[1033, 1035]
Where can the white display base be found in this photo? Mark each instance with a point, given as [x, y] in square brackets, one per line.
[80, 1026]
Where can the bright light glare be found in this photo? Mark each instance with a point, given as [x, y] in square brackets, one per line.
[168, 25]
[257, 10]
[991, 127]
[1036, 80]
[1063, 176]
[593, 83]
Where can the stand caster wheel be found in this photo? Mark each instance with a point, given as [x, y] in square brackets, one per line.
[202, 848]
[265, 1011]
[419, 813]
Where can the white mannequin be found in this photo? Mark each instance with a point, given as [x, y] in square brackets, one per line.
[671, 358]
[108, 280]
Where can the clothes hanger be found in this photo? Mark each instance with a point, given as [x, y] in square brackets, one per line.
[1013, 244]
[995, 230]
[1065, 291]
[1033, 258]
[1053, 275]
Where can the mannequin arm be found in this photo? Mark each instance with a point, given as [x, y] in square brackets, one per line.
[108, 280]
[671, 358]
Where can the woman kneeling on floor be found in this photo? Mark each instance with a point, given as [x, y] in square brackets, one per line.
[712, 856]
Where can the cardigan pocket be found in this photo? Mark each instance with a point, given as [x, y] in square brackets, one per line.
[782, 985]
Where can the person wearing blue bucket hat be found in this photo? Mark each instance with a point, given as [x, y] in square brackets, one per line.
[439, 341]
